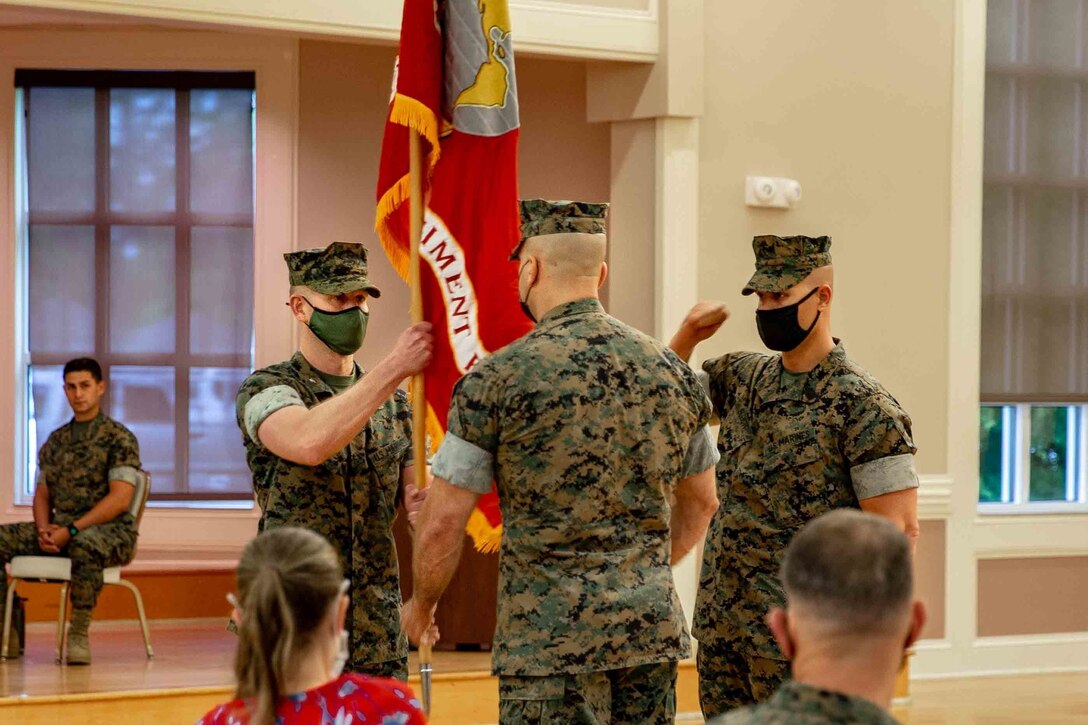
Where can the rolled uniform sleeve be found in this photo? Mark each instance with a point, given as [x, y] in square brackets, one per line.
[879, 449]
[124, 460]
[467, 455]
[704, 380]
[702, 453]
[259, 404]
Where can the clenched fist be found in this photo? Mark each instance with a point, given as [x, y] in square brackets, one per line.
[413, 350]
[701, 322]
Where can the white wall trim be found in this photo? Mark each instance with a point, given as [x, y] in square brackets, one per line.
[1020, 536]
[1015, 655]
[548, 28]
[964, 342]
[934, 496]
[579, 31]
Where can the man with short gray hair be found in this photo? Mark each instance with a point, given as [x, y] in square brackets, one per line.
[596, 437]
[850, 616]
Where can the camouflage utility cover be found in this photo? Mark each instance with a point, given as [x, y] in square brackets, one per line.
[587, 425]
[540, 217]
[351, 499]
[782, 262]
[793, 446]
[336, 269]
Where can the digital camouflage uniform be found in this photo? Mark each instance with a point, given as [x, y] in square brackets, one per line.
[797, 704]
[586, 425]
[793, 446]
[78, 474]
[351, 499]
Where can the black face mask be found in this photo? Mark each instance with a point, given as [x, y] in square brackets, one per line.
[779, 328]
[525, 302]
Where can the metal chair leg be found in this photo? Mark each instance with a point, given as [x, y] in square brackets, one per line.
[61, 617]
[8, 600]
[143, 616]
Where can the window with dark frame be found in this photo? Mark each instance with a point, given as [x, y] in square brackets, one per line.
[140, 254]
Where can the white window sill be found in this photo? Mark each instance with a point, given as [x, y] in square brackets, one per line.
[1032, 509]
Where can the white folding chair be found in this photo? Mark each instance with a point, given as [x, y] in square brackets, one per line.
[58, 570]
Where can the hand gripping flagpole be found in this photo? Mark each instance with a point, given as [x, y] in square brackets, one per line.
[419, 402]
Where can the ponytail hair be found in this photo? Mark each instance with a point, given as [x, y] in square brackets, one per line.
[288, 579]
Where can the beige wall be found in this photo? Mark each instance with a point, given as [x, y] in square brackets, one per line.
[343, 96]
[845, 98]
[1032, 595]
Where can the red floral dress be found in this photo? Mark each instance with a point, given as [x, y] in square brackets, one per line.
[349, 700]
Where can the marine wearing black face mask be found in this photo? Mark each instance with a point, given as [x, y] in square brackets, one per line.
[779, 327]
[802, 432]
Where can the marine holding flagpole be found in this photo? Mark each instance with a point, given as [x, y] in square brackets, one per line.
[330, 445]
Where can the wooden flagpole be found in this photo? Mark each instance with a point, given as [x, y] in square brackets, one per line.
[419, 402]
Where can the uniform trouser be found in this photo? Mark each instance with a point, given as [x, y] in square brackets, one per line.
[396, 669]
[643, 695]
[731, 677]
[91, 551]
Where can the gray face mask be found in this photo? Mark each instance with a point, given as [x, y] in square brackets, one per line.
[342, 332]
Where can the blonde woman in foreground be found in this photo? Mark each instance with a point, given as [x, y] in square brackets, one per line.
[292, 600]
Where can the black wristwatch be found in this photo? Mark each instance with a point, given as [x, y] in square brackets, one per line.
[72, 530]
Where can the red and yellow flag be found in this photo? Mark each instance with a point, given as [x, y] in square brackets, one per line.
[454, 84]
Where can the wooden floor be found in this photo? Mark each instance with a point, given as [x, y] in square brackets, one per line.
[192, 670]
[1057, 698]
[195, 655]
[198, 654]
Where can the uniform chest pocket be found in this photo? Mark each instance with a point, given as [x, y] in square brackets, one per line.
[737, 466]
[734, 433]
[385, 464]
[794, 472]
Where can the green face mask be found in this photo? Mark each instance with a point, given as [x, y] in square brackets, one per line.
[343, 331]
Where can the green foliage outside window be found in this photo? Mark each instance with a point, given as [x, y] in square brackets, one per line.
[991, 434]
[1049, 448]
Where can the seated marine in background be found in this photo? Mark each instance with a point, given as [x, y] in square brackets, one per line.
[87, 474]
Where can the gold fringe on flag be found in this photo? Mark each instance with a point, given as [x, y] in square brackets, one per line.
[486, 537]
[406, 111]
[409, 112]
